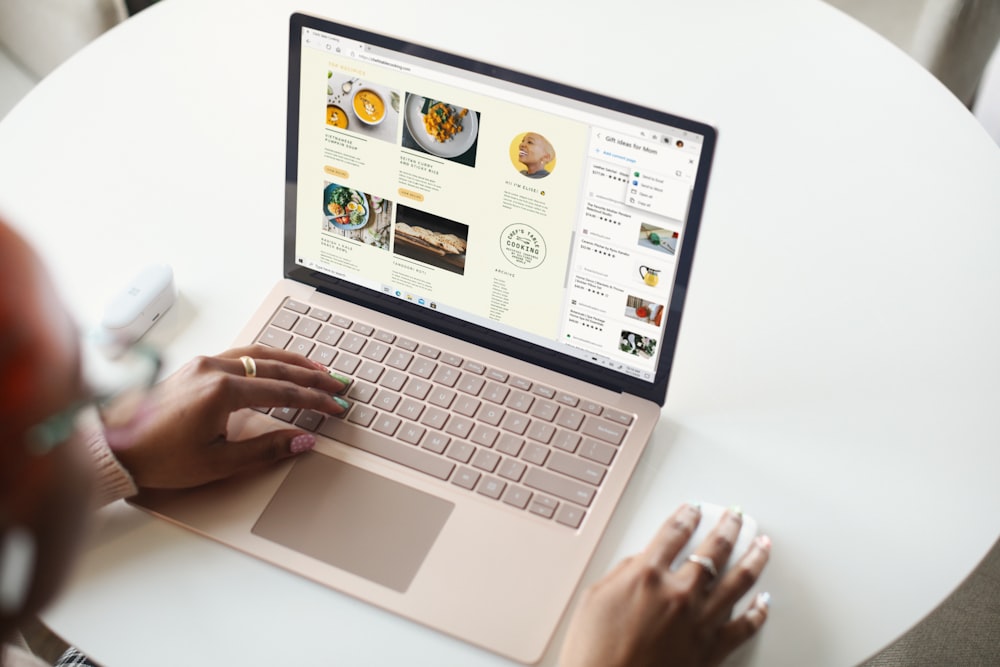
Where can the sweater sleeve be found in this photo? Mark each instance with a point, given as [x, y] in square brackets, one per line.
[112, 481]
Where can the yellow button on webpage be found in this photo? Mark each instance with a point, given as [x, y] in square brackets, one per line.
[410, 194]
[334, 171]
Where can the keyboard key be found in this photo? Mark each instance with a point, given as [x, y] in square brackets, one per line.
[597, 451]
[434, 418]
[346, 363]
[484, 435]
[301, 346]
[496, 374]
[581, 469]
[387, 448]
[376, 351]
[387, 400]
[466, 478]
[517, 496]
[285, 414]
[543, 506]
[393, 380]
[441, 397]
[330, 335]
[515, 423]
[543, 391]
[471, 384]
[569, 515]
[428, 351]
[566, 441]
[309, 420]
[385, 336]
[466, 405]
[570, 419]
[436, 442]
[285, 319]
[544, 410]
[447, 376]
[491, 487]
[297, 306]
[411, 433]
[520, 383]
[342, 321]
[535, 454]
[459, 427]
[509, 444]
[496, 393]
[559, 486]
[473, 367]
[604, 430]
[370, 372]
[323, 355]
[417, 388]
[407, 344]
[541, 432]
[568, 399]
[361, 392]
[321, 315]
[423, 367]
[622, 418]
[274, 338]
[352, 343]
[386, 424]
[512, 470]
[460, 451]
[410, 409]
[520, 401]
[399, 359]
[451, 359]
[363, 329]
[491, 414]
[486, 460]
[307, 328]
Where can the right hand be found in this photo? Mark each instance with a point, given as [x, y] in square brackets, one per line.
[642, 613]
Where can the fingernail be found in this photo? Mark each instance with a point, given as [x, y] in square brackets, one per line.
[737, 510]
[342, 403]
[695, 506]
[762, 601]
[763, 541]
[318, 366]
[302, 443]
[343, 379]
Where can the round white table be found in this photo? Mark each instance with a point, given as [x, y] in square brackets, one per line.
[838, 371]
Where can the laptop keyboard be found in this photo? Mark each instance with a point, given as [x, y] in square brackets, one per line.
[478, 427]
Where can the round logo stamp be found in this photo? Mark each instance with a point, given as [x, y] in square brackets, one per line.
[523, 246]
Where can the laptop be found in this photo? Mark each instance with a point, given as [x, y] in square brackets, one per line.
[499, 263]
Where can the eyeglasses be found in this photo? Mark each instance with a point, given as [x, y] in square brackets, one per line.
[109, 371]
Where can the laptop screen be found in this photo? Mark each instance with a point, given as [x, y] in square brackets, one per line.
[533, 218]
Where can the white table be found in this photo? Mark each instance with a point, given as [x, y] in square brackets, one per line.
[838, 372]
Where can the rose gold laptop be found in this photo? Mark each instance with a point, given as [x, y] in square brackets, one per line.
[499, 263]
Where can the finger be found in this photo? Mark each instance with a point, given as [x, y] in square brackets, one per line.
[261, 392]
[288, 366]
[739, 579]
[716, 547]
[229, 458]
[741, 628]
[673, 535]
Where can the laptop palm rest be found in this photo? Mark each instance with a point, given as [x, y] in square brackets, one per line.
[354, 520]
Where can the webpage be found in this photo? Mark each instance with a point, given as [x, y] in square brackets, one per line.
[511, 209]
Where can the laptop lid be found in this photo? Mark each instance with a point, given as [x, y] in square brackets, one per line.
[536, 219]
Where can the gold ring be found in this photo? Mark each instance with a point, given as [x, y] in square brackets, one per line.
[249, 366]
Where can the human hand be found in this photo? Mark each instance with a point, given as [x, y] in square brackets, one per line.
[642, 613]
[177, 436]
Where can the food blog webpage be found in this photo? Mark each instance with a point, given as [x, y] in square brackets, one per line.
[556, 225]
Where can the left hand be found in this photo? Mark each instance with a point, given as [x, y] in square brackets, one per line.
[176, 438]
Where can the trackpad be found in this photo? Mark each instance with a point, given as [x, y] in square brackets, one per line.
[353, 519]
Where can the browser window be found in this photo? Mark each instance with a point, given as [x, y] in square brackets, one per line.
[541, 218]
